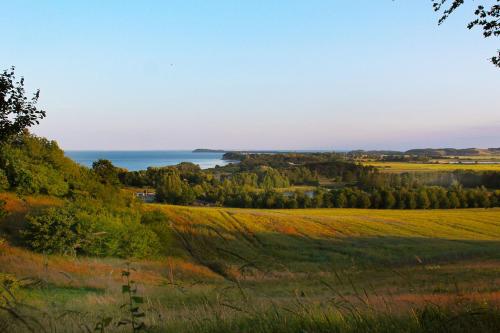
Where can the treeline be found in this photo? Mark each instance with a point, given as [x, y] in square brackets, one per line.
[466, 178]
[267, 180]
[404, 198]
[186, 184]
[417, 198]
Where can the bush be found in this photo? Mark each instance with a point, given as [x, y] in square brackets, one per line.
[59, 231]
[83, 229]
[137, 241]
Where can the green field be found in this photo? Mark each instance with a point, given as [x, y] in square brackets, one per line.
[398, 167]
[284, 270]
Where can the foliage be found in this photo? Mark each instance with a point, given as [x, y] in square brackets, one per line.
[4, 181]
[137, 241]
[486, 18]
[58, 230]
[17, 112]
[172, 189]
[78, 228]
[134, 301]
[106, 171]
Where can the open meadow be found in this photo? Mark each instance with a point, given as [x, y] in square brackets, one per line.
[398, 167]
[278, 270]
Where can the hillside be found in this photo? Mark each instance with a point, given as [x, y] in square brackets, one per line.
[220, 259]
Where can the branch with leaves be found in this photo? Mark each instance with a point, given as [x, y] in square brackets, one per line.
[487, 17]
[17, 112]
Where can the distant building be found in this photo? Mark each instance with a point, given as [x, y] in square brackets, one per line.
[146, 196]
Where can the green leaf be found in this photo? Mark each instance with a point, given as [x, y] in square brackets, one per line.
[125, 289]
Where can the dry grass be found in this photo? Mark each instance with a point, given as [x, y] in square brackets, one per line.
[261, 259]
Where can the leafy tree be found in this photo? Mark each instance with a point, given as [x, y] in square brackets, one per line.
[340, 200]
[423, 201]
[376, 199]
[363, 200]
[443, 198]
[483, 199]
[17, 112]
[388, 200]
[453, 200]
[433, 199]
[410, 200]
[173, 190]
[487, 17]
[106, 171]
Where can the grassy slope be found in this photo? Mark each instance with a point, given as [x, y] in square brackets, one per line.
[405, 257]
[323, 239]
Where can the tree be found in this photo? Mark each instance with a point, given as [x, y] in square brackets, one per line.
[172, 189]
[423, 201]
[106, 171]
[454, 202]
[17, 112]
[487, 18]
[388, 200]
[340, 200]
[363, 200]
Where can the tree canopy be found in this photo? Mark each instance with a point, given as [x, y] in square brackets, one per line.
[17, 112]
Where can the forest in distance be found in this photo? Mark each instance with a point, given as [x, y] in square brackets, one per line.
[311, 180]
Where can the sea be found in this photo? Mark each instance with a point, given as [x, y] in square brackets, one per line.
[141, 160]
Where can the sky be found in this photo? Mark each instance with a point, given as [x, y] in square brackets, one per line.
[269, 74]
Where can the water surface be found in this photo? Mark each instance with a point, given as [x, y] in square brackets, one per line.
[141, 160]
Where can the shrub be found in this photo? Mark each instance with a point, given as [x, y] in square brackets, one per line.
[91, 231]
[137, 241]
[57, 230]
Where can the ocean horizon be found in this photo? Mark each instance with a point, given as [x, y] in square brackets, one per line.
[134, 160]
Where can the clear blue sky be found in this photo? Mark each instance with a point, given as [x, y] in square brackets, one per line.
[254, 74]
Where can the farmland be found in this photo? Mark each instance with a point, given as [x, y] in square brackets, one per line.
[398, 167]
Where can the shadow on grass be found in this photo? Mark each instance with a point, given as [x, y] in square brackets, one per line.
[217, 248]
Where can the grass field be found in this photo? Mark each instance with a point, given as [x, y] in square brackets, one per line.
[244, 270]
[398, 167]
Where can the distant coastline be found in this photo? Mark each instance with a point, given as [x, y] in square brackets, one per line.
[204, 150]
